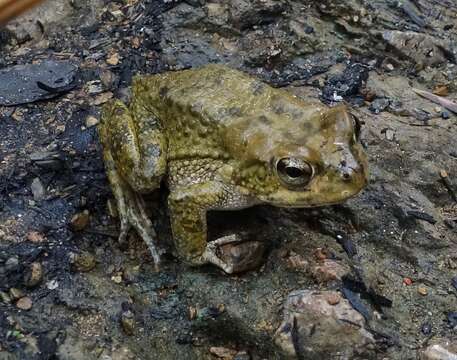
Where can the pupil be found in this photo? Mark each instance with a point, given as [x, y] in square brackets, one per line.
[294, 172]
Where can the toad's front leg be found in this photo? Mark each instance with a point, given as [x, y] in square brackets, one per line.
[134, 150]
[188, 206]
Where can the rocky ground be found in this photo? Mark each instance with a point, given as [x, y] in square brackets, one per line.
[375, 278]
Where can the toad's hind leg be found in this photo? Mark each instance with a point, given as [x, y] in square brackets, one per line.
[188, 206]
[134, 150]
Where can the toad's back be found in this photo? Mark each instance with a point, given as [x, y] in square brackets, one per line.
[198, 107]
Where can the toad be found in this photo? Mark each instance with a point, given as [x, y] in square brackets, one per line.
[222, 140]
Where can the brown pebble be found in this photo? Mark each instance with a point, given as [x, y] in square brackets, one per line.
[297, 262]
[422, 290]
[407, 281]
[82, 262]
[35, 237]
[369, 95]
[320, 254]
[333, 298]
[113, 59]
[222, 352]
[80, 221]
[91, 121]
[128, 322]
[16, 293]
[441, 90]
[24, 303]
[34, 275]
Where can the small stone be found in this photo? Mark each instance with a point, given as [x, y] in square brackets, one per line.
[16, 293]
[222, 352]
[308, 29]
[12, 263]
[390, 67]
[93, 87]
[369, 95]
[136, 42]
[452, 319]
[297, 262]
[82, 262]
[329, 270]
[52, 285]
[441, 90]
[35, 237]
[390, 134]
[454, 282]
[192, 311]
[38, 189]
[91, 121]
[34, 275]
[102, 98]
[438, 352]
[117, 278]
[24, 303]
[426, 328]
[80, 220]
[128, 322]
[60, 128]
[118, 14]
[107, 78]
[422, 290]
[320, 254]
[113, 59]
[407, 281]
[130, 274]
[333, 298]
[379, 104]
[445, 115]
[4, 297]
[18, 115]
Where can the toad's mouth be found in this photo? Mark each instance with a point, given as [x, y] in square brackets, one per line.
[310, 201]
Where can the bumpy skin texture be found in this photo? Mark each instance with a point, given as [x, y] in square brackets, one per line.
[218, 137]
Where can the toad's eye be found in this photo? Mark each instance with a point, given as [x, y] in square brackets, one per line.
[294, 173]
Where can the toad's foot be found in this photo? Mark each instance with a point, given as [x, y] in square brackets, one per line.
[132, 213]
[134, 150]
[233, 254]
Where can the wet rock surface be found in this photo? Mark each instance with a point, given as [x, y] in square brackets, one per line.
[69, 290]
[312, 317]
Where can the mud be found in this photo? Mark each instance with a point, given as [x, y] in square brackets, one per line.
[385, 236]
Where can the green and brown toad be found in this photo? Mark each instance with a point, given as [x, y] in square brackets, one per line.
[221, 139]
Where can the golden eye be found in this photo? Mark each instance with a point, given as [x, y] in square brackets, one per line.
[294, 173]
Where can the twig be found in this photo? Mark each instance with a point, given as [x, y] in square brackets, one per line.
[12, 8]
[448, 104]
[112, 234]
[447, 183]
